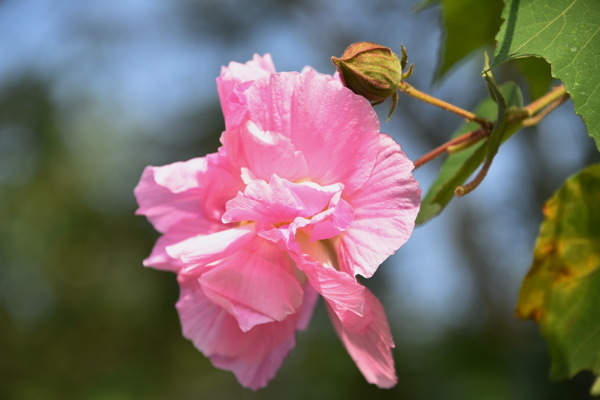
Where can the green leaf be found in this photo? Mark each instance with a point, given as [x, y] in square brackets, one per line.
[595, 390]
[562, 289]
[469, 25]
[536, 72]
[457, 167]
[567, 34]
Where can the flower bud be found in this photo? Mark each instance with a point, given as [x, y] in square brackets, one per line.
[370, 70]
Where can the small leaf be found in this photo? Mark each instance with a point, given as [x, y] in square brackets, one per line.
[468, 25]
[457, 167]
[562, 290]
[497, 136]
[567, 34]
[499, 131]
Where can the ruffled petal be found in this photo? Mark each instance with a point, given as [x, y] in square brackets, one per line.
[234, 79]
[200, 250]
[331, 222]
[253, 356]
[170, 193]
[385, 209]
[265, 152]
[335, 129]
[194, 189]
[255, 284]
[279, 201]
[183, 230]
[342, 292]
[221, 183]
[308, 305]
[368, 340]
[160, 259]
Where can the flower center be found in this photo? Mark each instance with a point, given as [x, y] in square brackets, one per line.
[319, 211]
[322, 251]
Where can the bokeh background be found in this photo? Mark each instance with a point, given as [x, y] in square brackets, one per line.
[92, 91]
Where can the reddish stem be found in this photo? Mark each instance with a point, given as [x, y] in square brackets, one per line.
[472, 136]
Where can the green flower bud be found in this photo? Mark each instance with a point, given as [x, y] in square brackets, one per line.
[370, 70]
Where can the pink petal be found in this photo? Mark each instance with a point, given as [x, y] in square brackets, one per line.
[335, 129]
[342, 292]
[278, 201]
[170, 193]
[159, 258]
[194, 189]
[331, 222]
[200, 250]
[221, 182]
[385, 209]
[184, 229]
[368, 341]
[308, 305]
[256, 372]
[250, 372]
[253, 356]
[240, 75]
[256, 284]
[266, 152]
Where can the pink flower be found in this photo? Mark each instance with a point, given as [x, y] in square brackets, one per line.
[303, 195]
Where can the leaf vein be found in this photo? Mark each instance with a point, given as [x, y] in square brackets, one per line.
[546, 27]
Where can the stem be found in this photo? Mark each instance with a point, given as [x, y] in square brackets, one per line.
[472, 136]
[556, 93]
[522, 117]
[469, 187]
[534, 120]
[411, 91]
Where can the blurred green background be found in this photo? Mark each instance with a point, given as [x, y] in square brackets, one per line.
[91, 92]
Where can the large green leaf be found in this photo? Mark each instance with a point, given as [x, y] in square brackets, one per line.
[468, 25]
[457, 167]
[562, 289]
[536, 72]
[567, 34]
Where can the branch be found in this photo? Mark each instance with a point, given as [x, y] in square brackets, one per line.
[411, 91]
[468, 138]
[556, 93]
[534, 120]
